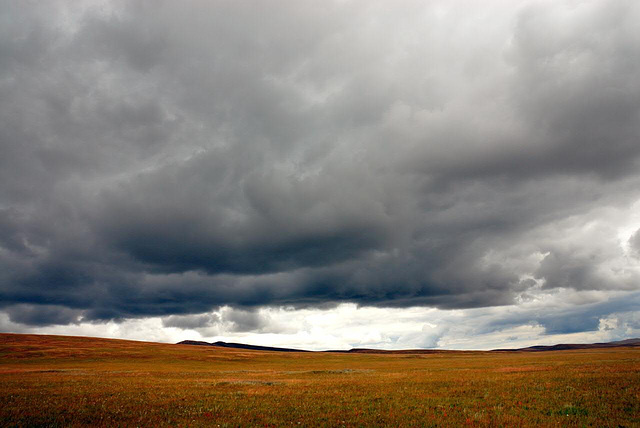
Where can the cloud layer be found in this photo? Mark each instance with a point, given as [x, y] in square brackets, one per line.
[166, 159]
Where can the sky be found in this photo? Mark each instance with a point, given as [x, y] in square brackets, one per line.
[321, 174]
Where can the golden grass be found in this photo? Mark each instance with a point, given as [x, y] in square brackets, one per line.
[73, 381]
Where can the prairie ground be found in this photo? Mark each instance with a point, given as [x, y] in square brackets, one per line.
[73, 381]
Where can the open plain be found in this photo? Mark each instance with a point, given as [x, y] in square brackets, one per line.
[77, 381]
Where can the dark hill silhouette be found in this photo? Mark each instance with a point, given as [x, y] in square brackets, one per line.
[240, 346]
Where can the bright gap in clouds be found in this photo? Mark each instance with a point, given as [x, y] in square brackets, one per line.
[534, 322]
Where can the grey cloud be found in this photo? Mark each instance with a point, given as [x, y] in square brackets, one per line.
[563, 316]
[244, 320]
[168, 159]
[634, 241]
[226, 319]
[191, 321]
[576, 69]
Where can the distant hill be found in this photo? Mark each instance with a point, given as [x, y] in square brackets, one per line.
[538, 348]
[568, 346]
[239, 346]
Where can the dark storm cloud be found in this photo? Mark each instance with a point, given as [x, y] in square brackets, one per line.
[170, 158]
[42, 315]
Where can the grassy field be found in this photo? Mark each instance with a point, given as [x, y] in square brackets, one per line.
[71, 381]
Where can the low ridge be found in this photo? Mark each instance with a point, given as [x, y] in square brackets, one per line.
[538, 348]
[567, 346]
